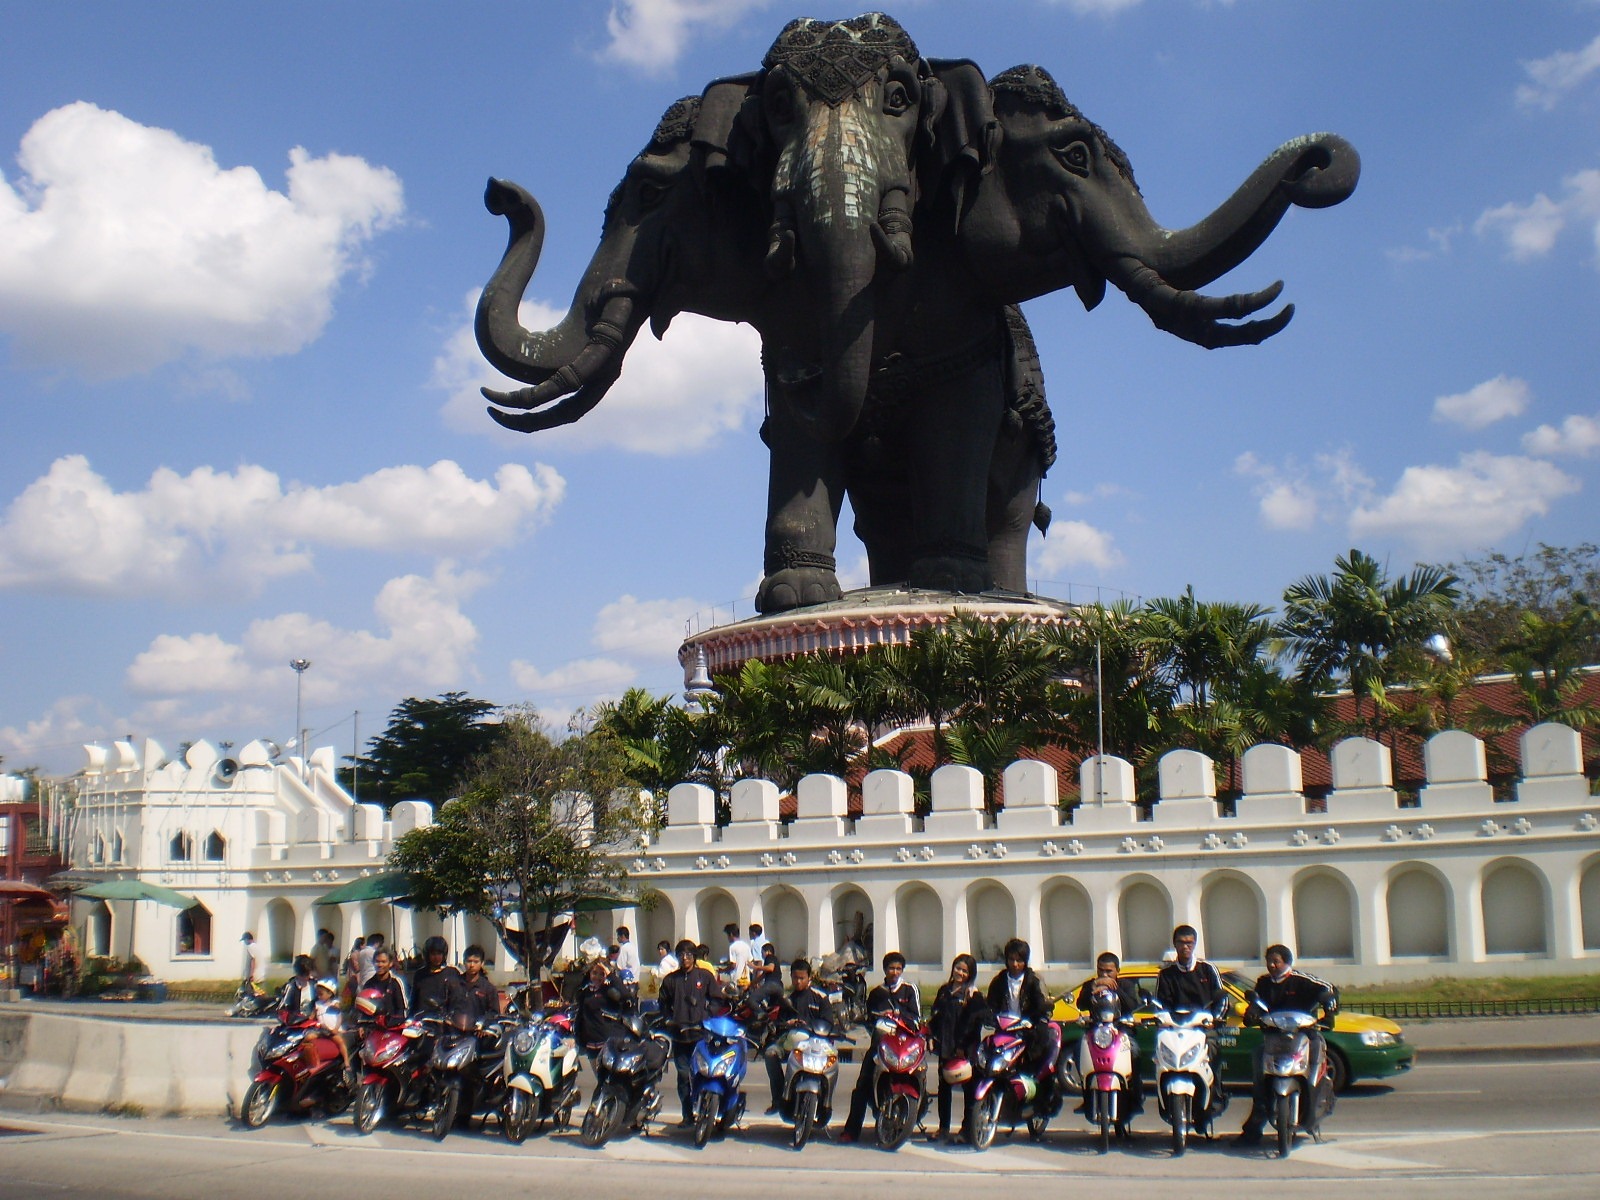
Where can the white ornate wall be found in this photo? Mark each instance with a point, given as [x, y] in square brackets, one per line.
[1367, 891]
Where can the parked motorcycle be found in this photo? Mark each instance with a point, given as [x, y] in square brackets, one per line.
[717, 1068]
[1105, 1064]
[452, 1066]
[1186, 1088]
[301, 1068]
[541, 1074]
[900, 1092]
[1297, 1100]
[1008, 1092]
[810, 1058]
[252, 1000]
[395, 1059]
[628, 1070]
[847, 992]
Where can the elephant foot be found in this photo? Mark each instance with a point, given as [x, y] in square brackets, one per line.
[795, 587]
[951, 573]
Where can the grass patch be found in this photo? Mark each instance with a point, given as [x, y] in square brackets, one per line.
[125, 1109]
[1536, 987]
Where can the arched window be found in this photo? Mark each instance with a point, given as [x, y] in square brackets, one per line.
[194, 931]
[181, 847]
[216, 847]
[116, 848]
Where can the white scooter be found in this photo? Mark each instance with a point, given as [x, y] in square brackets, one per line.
[1186, 1087]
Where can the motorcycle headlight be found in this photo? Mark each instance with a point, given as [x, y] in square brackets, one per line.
[1103, 1035]
[608, 1057]
[817, 1055]
[724, 1067]
[907, 1059]
[1378, 1037]
[628, 1063]
[1191, 1056]
[523, 1041]
[1166, 1057]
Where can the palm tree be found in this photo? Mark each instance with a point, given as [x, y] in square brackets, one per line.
[1110, 643]
[1347, 626]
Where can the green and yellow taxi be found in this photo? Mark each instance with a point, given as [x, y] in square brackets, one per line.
[1360, 1046]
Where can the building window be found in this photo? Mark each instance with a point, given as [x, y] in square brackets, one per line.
[5, 835]
[216, 847]
[194, 931]
[97, 849]
[116, 848]
[181, 848]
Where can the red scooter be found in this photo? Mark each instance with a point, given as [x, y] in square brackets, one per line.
[900, 1093]
[302, 1067]
[395, 1079]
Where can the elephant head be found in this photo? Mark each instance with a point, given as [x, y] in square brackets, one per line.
[843, 109]
[658, 255]
[1062, 209]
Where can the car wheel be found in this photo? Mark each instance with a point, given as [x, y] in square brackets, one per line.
[1338, 1070]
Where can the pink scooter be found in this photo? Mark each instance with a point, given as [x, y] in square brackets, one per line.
[1105, 1062]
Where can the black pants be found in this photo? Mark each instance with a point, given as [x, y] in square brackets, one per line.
[866, 1082]
[682, 1053]
[947, 1103]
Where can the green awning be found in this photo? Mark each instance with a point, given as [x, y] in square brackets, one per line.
[386, 885]
[137, 889]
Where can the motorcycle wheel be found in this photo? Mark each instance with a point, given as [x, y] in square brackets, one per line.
[986, 1121]
[1285, 1125]
[805, 1115]
[1180, 1124]
[369, 1107]
[603, 1117]
[444, 1120]
[895, 1119]
[516, 1118]
[260, 1101]
[705, 1118]
[1103, 1116]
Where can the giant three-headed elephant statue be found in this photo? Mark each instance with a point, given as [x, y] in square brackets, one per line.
[876, 216]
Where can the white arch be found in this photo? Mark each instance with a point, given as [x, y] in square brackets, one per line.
[920, 915]
[1232, 917]
[852, 916]
[1324, 914]
[714, 907]
[1417, 897]
[1514, 906]
[278, 934]
[1067, 915]
[1589, 903]
[658, 923]
[991, 919]
[786, 920]
[1144, 918]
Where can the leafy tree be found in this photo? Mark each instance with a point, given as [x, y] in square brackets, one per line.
[1497, 590]
[663, 744]
[1110, 643]
[539, 828]
[426, 749]
[1347, 627]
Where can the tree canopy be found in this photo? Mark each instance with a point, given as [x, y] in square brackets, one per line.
[426, 749]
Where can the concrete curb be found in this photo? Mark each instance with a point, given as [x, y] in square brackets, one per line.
[1580, 1052]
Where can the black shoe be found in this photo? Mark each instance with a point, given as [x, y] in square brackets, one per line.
[686, 1123]
[773, 1110]
[1248, 1139]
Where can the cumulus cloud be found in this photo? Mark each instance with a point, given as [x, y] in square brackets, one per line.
[1100, 8]
[1531, 230]
[1551, 78]
[1100, 491]
[1295, 496]
[237, 530]
[1578, 437]
[124, 246]
[589, 679]
[652, 628]
[1076, 543]
[652, 34]
[425, 642]
[675, 396]
[67, 723]
[1480, 500]
[1490, 401]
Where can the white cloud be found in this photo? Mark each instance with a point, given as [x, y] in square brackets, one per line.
[1483, 498]
[653, 34]
[675, 396]
[1553, 77]
[644, 628]
[55, 736]
[1490, 401]
[1100, 491]
[1101, 8]
[590, 679]
[236, 530]
[427, 642]
[1532, 229]
[1075, 543]
[124, 246]
[1292, 496]
[1578, 436]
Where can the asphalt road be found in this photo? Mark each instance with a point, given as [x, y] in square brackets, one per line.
[1447, 1129]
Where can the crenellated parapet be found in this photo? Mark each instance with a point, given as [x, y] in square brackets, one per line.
[1381, 882]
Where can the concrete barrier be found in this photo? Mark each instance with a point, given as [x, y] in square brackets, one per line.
[91, 1064]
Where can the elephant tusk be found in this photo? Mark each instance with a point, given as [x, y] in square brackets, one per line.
[1198, 318]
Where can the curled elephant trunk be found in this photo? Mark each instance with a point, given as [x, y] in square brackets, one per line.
[1315, 171]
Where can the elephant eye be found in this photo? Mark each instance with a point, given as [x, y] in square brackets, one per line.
[1074, 157]
[896, 99]
[780, 103]
[651, 194]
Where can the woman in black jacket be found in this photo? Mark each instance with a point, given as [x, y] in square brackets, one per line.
[957, 1009]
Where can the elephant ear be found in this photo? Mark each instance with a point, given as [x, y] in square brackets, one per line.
[729, 132]
[963, 135]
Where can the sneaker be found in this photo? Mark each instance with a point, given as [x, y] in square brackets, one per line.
[686, 1123]
[773, 1110]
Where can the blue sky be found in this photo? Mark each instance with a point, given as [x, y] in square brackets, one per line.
[239, 421]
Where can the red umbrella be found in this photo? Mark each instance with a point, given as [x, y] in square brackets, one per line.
[16, 889]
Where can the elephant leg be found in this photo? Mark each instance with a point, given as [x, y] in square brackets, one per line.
[953, 438]
[805, 490]
[1013, 504]
[881, 501]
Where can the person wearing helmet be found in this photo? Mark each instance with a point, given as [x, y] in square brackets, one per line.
[957, 1009]
[330, 1020]
[1283, 989]
[430, 986]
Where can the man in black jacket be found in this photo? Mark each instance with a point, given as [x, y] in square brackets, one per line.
[1283, 989]
[1017, 991]
[803, 1003]
[430, 984]
[895, 995]
[1107, 978]
[1190, 984]
[685, 999]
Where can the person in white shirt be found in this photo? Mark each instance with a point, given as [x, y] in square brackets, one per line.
[738, 955]
[758, 940]
[668, 963]
[252, 960]
[364, 968]
[627, 955]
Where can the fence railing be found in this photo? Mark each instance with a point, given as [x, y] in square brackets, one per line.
[1557, 1007]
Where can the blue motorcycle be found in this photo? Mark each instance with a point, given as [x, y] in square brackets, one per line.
[717, 1068]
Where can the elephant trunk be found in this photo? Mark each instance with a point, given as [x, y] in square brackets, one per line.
[521, 353]
[1315, 171]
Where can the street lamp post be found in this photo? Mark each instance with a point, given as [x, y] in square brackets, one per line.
[300, 666]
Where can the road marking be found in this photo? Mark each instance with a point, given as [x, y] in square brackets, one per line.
[1329, 1154]
[999, 1160]
[1446, 1092]
[637, 1149]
